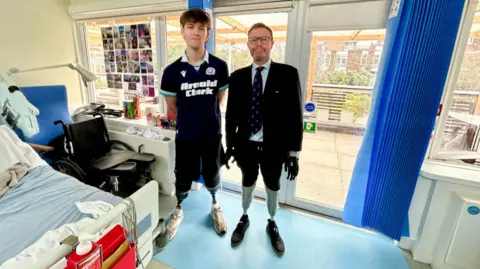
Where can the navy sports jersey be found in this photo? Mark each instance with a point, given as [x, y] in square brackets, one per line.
[196, 89]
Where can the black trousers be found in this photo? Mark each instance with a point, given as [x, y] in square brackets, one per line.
[187, 163]
[252, 156]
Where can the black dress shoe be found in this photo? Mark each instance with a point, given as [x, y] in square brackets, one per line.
[277, 242]
[239, 232]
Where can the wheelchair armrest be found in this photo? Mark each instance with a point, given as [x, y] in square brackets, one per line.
[38, 147]
[120, 145]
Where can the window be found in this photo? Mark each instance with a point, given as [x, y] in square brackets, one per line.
[231, 37]
[341, 60]
[323, 60]
[175, 43]
[376, 60]
[459, 139]
[355, 63]
[364, 60]
[342, 93]
[122, 54]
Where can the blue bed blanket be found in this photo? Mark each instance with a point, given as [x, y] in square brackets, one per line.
[43, 200]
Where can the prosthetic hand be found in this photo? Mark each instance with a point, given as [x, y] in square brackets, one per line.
[291, 166]
[229, 154]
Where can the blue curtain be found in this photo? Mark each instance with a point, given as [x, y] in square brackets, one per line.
[418, 47]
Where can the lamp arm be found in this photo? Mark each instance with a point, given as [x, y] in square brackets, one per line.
[15, 70]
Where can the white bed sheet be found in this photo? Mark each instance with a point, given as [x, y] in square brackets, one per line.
[14, 150]
[51, 239]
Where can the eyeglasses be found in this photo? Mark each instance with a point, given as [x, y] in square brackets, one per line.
[263, 39]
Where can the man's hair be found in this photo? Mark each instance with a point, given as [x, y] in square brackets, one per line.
[195, 15]
[261, 25]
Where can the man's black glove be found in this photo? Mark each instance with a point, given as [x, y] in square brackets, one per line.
[291, 166]
[229, 155]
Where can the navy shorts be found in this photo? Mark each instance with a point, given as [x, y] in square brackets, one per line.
[188, 167]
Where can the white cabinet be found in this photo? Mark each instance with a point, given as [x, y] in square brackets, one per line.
[459, 246]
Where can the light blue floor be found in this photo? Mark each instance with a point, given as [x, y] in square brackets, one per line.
[310, 242]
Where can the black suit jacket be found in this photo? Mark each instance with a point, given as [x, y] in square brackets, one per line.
[281, 109]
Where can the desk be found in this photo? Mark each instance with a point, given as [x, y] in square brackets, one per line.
[164, 151]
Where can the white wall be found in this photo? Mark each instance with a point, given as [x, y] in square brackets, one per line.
[38, 33]
[82, 2]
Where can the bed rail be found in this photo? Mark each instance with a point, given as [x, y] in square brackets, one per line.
[146, 205]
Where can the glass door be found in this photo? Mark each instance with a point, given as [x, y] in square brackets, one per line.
[342, 70]
[231, 46]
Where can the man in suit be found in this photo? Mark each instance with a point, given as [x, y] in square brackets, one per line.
[264, 126]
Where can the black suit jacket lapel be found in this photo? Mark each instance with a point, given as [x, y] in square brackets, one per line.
[248, 74]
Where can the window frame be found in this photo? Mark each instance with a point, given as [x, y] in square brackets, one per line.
[88, 93]
[435, 152]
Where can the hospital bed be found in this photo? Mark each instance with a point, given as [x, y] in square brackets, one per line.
[45, 199]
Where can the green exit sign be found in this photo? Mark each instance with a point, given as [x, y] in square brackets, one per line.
[309, 127]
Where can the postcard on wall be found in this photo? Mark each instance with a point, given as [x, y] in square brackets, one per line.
[145, 42]
[144, 29]
[150, 67]
[128, 58]
[145, 56]
[151, 91]
[122, 31]
[107, 67]
[143, 68]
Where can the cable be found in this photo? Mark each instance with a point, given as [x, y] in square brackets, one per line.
[129, 218]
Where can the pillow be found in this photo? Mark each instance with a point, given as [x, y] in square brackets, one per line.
[15, 150]
[4, 122]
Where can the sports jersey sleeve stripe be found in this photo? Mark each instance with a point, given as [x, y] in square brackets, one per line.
[223, 88]
[167, 93]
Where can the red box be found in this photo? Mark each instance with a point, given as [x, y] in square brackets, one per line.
[128, 261]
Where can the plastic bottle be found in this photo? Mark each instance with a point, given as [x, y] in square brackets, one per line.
[85, 244]
[85, 249]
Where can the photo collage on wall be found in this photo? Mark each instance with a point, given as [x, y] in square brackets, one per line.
[129, 59]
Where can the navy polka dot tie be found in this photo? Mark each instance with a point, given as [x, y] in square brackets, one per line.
[255, 117]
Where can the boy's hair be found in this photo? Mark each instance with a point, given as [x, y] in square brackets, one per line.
[261, 25]
[195, 15]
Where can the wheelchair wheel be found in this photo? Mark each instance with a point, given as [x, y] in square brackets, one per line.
[120, 145]
[70, 168]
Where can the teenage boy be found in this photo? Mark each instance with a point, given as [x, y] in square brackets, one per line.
[194, 87]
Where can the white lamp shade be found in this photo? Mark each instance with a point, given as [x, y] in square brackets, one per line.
[87, 76]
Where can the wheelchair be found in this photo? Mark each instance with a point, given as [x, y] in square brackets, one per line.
[94, 159]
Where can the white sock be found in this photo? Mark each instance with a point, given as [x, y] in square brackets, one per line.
[272, 202]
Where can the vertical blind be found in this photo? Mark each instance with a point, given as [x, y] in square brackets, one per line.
[419, 44]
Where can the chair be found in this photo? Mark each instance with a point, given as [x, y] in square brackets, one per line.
[104, 163]
[52, 102]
